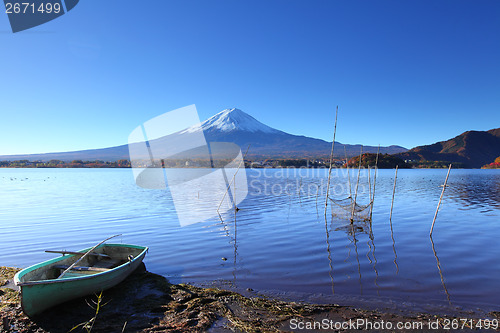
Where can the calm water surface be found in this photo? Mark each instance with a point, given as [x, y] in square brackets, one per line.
[280, 242]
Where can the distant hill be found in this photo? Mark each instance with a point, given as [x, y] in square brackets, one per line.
[103, 154]
[472, 148]
[231, 125]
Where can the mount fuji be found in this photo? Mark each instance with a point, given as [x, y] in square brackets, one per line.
[234, 125]
[231, 120]
[230, 125]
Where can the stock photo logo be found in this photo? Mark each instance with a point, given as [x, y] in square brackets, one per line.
[204, 179]
[26, 14]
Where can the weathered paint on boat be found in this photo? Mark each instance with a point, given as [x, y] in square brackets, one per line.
[40, 295]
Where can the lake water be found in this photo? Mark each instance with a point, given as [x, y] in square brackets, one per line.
[279, 243]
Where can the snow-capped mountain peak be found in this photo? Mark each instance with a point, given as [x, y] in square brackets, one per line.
[231, 120]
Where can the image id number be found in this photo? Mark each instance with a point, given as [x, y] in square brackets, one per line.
[26, 8]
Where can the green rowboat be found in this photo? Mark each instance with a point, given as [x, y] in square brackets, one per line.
[42, 285]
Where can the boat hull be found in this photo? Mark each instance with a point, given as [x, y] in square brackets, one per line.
[44, 294]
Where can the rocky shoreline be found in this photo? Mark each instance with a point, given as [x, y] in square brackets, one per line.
[146, 302]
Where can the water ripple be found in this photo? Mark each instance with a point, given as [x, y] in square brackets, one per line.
[279, 242]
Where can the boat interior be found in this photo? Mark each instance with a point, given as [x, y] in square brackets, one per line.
[101, 259]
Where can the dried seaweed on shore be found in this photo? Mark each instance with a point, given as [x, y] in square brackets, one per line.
[147, 302]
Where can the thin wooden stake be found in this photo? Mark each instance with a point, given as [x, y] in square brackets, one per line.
[440, 271]
[348, 176]
[374, 182]
[394, 191]
[234, 176]
[369, 182]
[331, 159]
[440, 198]
[357, 184]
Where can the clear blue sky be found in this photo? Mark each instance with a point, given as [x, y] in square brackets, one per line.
[402, 72]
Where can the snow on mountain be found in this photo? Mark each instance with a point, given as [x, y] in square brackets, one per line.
[231, 120]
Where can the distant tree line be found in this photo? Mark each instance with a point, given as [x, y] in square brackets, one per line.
[494, 165]
[436, 164]
[383, 161]
[300, 163]
[64, 164]
[386, 161]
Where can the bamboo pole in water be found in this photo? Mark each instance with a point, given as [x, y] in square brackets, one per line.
[331, 159]
[440, 198]
[234, 176]
[394, 191]
[369, 183]
[440, 271]
[374, 182]
[357, 184]
[394, 248]
[330, 261]
[348, 176]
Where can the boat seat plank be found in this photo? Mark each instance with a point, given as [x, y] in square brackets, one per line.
[82, 268]
[74, 274]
